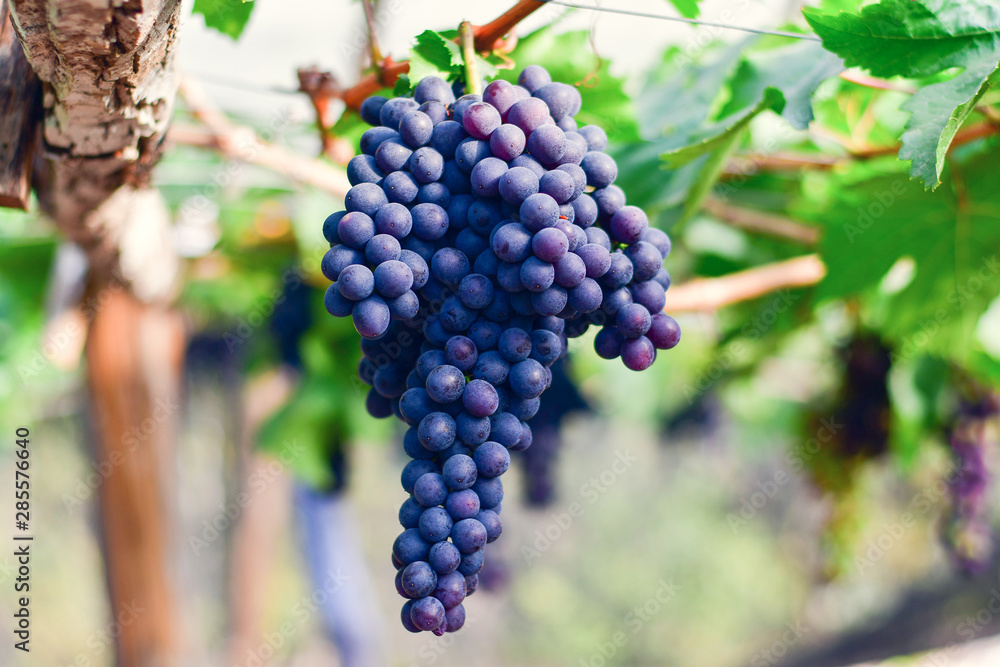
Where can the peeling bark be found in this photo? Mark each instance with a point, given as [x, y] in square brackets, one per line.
[109, 86]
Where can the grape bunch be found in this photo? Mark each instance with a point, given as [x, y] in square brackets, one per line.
[479, 235]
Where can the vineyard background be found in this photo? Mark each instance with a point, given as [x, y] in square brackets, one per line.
[781, 488]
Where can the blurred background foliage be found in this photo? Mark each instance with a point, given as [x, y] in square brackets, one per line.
[775, 448]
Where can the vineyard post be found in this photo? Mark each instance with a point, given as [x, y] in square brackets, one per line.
[109, 84]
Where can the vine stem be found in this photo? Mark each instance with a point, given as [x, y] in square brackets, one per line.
[485, 39]
[372, 40]
[709, 294]
[467, 40]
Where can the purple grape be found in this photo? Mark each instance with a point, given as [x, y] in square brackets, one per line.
[658, 238]
[470, 152]
[550, 301]
[446, 137]
[373, 138]
[436, 111]
[461, 353]
[534, 77]
[528, 115]
[463, 504]
[627, 225]
[475, 291]
[664, 332]
[491, 522]
[382, 248]
[557, 184]
[507, 142]
[393, 110]
[435, 525]
[430, 490]
[528, 162]
[364, 169]
[393, 219]
[486, 175]
[480, 119]
[562, 99]
[418, 579]
[393, 279]
[444, 557]
[445, 384]
[547, 144]
[450, 265]
[393, 155]
[433, 89]
[549, 245]
[597, 138]
[596, 259]
[370, 109]
[517, 184]
[356, 229]
[536, 275]
[480, 398]
[638, 354]
[586, 297]
[650, 294]
[416, 128]
[570, 270]
[538, 212]
[400, 187]
[434, 193]
[501, 95]
[430, 221]
[468, 535]
[356, 282]
[512, 242]
[608, 343]
[427, 613]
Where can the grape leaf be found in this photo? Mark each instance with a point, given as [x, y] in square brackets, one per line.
[936, 119]
[951, 237]
[687, 8]
[229, 18]
[717, 147]
[436, 54]
[433, 55]
[796, 70]
[723, 133]
[921, 39]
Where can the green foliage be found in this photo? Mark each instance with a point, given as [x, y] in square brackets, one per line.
[437, 54]
[687, 8]
[230, 17]
[920, 40]
[951, 238]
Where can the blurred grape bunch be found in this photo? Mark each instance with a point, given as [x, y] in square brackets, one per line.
[851, 431]
[968, 535]
[540, 461]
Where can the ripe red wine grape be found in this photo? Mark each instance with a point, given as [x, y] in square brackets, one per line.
[479, 235]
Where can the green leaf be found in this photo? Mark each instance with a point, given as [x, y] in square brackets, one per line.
[227, 17]
[795, 70]
[922, 39]
[433, 55]
[936, 118]
[718, 147]
[687, 8]
[875, 218]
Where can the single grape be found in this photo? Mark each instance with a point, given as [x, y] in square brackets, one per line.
[435, 525]
[492, 459]
[464, 504]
